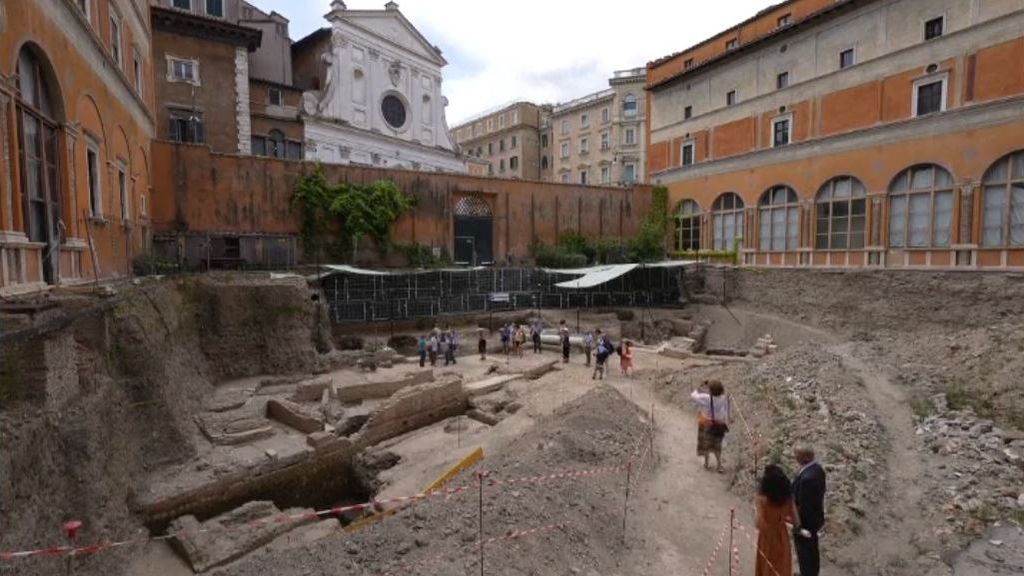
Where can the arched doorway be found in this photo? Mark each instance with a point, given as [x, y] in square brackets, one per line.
[474, 232]
[40, 113]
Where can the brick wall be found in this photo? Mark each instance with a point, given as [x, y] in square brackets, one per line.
[199, 191]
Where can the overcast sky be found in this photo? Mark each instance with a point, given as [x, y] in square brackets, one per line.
[539, 50]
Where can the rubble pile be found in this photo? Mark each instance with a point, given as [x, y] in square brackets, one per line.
[981, 465]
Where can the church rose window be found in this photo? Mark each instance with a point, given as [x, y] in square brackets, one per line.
[393, 110]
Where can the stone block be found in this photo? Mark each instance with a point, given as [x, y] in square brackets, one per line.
[220, 540]
[414, 408]
[313, 390]
[483, 417]
[292, 415]
[323, 440]
[382, 389]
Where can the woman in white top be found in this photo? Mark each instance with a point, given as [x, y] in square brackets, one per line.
[713, 420]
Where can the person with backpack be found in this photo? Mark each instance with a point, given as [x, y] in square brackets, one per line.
[421, 349]
[713, 418]
[601, 354]
[432, 346]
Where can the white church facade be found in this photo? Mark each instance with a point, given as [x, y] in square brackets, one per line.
[377, 97]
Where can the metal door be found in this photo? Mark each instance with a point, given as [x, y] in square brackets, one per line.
[474, 232]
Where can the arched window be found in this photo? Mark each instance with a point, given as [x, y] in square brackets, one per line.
[921, 208]
[840, 221]
[472, 206]
[39, 111]
[275, 144]
[688, 226]
[779, 220]
[1003, 202]
[726, 220]
[629, 106]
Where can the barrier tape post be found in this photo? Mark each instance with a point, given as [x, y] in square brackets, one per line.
[732, 541]
[71, 532]
[480, 477]
[625, 503]
[652, 431]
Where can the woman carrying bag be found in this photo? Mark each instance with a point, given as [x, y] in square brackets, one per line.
[713, 420]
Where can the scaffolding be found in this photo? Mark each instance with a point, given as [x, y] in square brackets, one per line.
[355, 296]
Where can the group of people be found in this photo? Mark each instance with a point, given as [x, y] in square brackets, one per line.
[445, 343]
[799, 503]
[437, 344]
[513, 338]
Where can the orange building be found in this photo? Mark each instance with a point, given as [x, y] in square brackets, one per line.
[850, 133]
[75, 126]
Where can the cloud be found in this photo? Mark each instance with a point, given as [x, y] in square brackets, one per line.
[541, 50]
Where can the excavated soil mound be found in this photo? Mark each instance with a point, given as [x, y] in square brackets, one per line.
[438, 536]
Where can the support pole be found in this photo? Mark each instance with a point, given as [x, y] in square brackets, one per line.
[732, 530]
[480, 532]
[652, 432]
[625, 502]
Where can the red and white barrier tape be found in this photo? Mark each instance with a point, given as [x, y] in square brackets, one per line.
[750, 539]
[714, 553]
[279, 519]
[307, 516]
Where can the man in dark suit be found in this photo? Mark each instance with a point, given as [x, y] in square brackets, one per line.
[809, 496]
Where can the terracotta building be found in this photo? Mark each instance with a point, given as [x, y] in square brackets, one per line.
[852, 133]
[223, 76]
[76, 119]
[506, 142]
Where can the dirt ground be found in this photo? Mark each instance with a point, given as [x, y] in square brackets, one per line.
[915, 408]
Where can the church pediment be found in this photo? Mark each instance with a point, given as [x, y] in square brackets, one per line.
[393, 27]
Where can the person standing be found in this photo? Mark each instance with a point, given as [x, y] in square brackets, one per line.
[626, 358]
[713, 420]
[445, 348]
[536, 337]
[601, 355]
[481, 345]
[588, 346]
[506, 335]
[453, 346]
[773, 508]
[809, 497]
[565, 345]
[432, 345]
[421, 348]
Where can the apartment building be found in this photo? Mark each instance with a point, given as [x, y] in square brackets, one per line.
[76, 120]
[223, 78]
[849, 133]
[506, 142]
[598, 139]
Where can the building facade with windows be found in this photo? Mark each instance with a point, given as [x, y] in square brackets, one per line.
[850, 133]
[506, 142]
[76, 120]
[223, 78]
[599, 139]
[373, 93]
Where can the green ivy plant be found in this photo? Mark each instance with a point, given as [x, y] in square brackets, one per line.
[359, 211]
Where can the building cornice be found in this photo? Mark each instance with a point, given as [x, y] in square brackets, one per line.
[813, 19]
[965, 118]
[184, 23]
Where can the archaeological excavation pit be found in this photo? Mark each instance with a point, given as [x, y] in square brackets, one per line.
[215, 427]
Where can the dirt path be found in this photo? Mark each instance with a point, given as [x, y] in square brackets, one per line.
[892, 543]
[680, 509]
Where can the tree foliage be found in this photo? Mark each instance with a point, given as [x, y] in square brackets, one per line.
[649, 243]
[356, 211]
